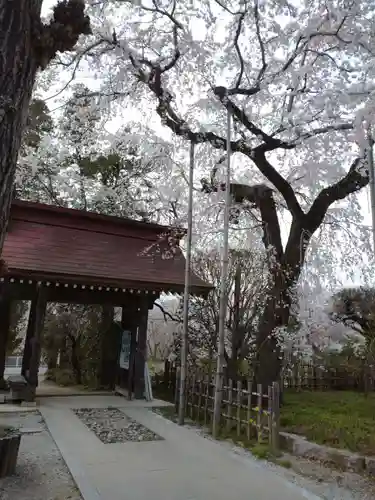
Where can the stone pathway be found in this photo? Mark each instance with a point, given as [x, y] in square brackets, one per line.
[181, 466]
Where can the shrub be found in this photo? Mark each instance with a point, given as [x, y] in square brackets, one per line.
[65, 377]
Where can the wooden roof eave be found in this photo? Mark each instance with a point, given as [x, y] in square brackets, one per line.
[27, 277]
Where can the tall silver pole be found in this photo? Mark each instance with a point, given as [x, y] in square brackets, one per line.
[185, 330]
[223, 292]
[372, 181]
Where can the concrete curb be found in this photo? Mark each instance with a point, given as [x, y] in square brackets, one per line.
[88, 492]
[342, 459]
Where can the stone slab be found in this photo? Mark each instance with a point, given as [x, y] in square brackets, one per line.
[342, 459]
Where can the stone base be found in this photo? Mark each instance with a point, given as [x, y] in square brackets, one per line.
[340, 459]
[9, 446]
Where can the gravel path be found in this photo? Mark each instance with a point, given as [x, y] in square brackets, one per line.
[41, 472]
[111, 425]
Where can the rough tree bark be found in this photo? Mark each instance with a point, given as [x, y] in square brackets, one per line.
[26, 45]
[75, 359]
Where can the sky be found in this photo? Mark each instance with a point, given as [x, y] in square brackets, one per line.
[154, 123]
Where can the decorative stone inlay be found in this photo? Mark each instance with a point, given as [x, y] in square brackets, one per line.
[111, 425]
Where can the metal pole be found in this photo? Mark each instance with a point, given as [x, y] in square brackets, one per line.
[223, 292]
[372, 181]
[185, 331]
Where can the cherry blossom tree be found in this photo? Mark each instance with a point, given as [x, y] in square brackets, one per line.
[298, 82]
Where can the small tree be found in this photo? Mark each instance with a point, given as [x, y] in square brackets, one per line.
[67, 328]
[17, 326]
[246, 282]
[355, 308]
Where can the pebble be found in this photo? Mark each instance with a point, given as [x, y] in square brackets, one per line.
[111, 425]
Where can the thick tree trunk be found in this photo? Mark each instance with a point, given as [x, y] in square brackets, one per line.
[237, 334]
[76, 363]
[277, 310]
[26, 44]
[18, 66]
[268, 353]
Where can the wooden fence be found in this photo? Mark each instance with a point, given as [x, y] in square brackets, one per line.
[310, 377]
[298, 376]
[247, 412]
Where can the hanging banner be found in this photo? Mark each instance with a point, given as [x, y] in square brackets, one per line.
[125, 350]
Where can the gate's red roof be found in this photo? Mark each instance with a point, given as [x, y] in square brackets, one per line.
[44, 242]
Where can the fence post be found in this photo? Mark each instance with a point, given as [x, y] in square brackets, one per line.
[230, 402]
[239, 404]
[269, 416]
[192, 395]
[200, 394]
[207, 395]
[259, 412]
[177, 389]
[248, 411]
[275, 416]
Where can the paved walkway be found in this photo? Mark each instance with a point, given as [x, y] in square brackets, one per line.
[184, 466]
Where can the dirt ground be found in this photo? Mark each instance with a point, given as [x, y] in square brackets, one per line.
[41, 472]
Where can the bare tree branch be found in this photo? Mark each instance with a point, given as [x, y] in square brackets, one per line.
[323, 130]
[240, 57]
[281, 184]
[261, 43]
[356, 178]
[167, 314]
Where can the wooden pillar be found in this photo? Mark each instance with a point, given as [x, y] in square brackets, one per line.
[141, 351]
[109, 346]
[35, 340]
[129, 321]
[5, 307]
[29, 334]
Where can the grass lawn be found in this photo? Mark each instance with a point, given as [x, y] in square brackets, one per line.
[340, 419]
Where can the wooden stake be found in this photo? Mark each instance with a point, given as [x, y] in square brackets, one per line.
[184, 345]
[223, 292]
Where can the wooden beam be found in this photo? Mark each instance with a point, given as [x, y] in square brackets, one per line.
[5, 308]
[141, 351]
[37, 329]
[79, 295]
